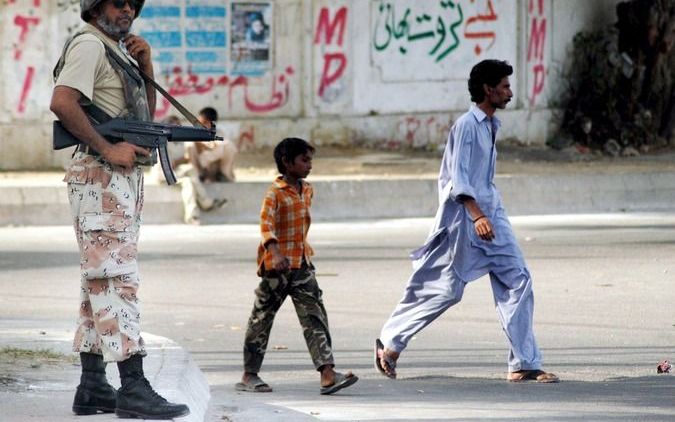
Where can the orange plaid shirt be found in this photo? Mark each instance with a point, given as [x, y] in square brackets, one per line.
[284, 217]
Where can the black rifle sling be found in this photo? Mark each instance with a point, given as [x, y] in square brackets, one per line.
[134, 70]
[95, 113]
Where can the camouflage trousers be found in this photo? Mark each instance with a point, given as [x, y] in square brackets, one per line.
[106, 203]
[301, 285]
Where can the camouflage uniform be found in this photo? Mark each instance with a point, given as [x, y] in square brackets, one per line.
[106, 203]
[302, 286]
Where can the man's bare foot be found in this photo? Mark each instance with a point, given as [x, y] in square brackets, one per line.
[327, 375]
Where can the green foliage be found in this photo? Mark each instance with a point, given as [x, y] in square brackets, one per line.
[620, 81]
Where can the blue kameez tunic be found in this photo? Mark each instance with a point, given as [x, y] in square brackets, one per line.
[468, 169]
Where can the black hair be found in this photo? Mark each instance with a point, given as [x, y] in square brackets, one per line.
[489, 72]
[210, 113]
[289, 148]
[255, 16]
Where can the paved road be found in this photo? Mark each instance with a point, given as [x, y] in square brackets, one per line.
[604, 295]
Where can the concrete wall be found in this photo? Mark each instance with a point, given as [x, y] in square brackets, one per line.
[387, 74]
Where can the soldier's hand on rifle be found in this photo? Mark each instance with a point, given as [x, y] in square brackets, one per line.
[123, 154]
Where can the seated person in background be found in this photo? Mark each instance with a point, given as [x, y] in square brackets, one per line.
[214, 161]
[194, 194]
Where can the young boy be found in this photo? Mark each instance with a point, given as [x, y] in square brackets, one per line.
[285, 268]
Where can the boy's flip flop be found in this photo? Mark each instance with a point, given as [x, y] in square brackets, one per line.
[379, 356]
[341, 381]
[254, 385]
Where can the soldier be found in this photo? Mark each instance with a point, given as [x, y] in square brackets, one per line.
[105, 190]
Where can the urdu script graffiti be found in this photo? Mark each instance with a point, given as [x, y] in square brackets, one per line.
[441, 34]
[404, 30]
[180, 84]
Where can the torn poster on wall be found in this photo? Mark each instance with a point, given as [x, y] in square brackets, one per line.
[251, 29]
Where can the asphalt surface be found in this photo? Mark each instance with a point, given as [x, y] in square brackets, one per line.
[603, 285]
[603, 289]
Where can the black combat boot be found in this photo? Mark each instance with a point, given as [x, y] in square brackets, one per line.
[94, 394]
[137, 399]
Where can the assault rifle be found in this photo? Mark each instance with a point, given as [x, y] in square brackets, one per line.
[143, 134]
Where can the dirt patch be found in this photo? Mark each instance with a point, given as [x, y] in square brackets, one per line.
[20, 369]
[339, 162]
[514, 158]
[346, 161]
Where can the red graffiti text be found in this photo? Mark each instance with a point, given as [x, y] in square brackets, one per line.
[181, 84]
[536, 47]
[479, 28]
[334, 63]
[26, 23]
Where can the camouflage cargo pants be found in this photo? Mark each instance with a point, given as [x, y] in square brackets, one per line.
[301, 285]
[106, 203]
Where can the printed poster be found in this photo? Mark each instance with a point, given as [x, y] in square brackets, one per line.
[251, 38]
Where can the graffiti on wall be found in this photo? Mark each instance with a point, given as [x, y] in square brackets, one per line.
[423, 29]
[438, 33]
[480, 28]
[406, 34]
[418, 132]
[329, 37]
[536, 44]
[181, 84]
[195, 56]
[25, 23]
[246, 138]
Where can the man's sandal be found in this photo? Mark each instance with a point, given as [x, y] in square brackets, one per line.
[536, 375]
[384, 363]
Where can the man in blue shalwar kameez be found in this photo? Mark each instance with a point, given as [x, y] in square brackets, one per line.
[471, 237]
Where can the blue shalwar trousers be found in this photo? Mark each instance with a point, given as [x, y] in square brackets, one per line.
[434, 287]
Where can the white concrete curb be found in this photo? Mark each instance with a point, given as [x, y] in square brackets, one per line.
[173, 374]
[168, 367]
[347, 199]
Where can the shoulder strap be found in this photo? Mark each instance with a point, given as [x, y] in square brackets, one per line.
[95, 113]
[134, 71]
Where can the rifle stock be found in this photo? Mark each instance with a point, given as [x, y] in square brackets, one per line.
[143, 134]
